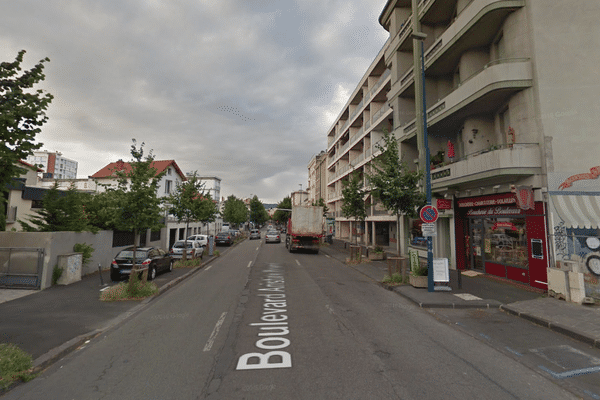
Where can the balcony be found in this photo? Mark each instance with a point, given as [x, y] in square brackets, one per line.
[496, 165]
[483, 92]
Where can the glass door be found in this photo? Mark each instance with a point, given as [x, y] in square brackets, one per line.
[476, 234]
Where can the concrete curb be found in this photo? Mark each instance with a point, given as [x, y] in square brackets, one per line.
[556, 327]
[449, 304]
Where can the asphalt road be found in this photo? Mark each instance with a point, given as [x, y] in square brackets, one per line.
[261, 323]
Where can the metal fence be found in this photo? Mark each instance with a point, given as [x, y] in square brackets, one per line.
[21, 267]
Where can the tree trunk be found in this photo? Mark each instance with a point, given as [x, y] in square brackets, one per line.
[133, 265]
[398, 247]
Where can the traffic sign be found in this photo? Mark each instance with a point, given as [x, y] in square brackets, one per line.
[429, 214]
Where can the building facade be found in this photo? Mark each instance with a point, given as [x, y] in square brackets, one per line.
[317, 177]
[351, 146]
[509, 133]
[54, 164]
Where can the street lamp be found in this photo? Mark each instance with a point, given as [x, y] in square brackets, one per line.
[419, 64]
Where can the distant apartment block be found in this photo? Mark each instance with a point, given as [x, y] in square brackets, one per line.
[55, 164]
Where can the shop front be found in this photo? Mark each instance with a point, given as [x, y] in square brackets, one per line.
[501, 236]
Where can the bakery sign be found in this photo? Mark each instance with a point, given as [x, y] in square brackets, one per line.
[487, 201]
[494, 211]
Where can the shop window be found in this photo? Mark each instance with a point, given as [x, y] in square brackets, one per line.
[505, 241]
[416, 234]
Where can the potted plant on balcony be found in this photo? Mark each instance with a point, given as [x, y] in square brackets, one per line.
[418, 277]
[377, 254]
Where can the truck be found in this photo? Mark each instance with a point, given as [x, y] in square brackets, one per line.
[304, 228]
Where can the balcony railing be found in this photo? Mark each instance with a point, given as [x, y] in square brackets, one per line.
[521, 158]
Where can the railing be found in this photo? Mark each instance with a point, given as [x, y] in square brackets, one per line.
[380, 112]
[486, 66]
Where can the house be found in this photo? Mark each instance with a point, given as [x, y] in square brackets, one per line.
[24, 198]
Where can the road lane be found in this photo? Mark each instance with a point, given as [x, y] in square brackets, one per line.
[350, 339]
[159, 352]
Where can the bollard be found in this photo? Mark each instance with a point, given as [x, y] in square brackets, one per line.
[100, 273]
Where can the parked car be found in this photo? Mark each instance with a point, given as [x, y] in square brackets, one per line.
[224, 238]
[234, 232]
[194, 249]
[272, 236]
[202, 239]
[152, 258]
[254, 234]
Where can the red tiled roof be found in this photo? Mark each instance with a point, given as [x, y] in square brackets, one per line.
[160, 166]
[38, 169]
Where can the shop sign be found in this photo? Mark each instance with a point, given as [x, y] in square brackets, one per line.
[508, 225]
[444, 204]
[494, 211]
[481, 202]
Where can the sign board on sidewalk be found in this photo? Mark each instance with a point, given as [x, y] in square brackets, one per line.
[428, 229]
[440, 270]
[414, 259]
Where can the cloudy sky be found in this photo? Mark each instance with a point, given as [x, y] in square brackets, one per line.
[240, 89]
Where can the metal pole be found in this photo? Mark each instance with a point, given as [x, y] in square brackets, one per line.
[430, 284]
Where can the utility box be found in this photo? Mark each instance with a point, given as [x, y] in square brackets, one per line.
[71, 265]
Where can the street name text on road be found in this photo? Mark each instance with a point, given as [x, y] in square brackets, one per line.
[272, 327]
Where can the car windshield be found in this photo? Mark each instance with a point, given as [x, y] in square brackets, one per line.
[223, 234]
[272, 233]
[128, 254]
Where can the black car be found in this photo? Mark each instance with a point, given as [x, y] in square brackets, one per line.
[224, 238]
[153, 258]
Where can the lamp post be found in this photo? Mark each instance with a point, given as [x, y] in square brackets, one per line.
[424, 156]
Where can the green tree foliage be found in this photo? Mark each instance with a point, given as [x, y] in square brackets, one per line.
[281, 216]
[235, 210]
[185, 204]
[393, 183]
[321, 203]
[102, 209]
[139, 205]
[61, 211]
[353, 203]
[258, 214]
[22, 113]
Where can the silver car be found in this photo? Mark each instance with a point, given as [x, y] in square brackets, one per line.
[254, 234]
[194, 249]
[272, 236]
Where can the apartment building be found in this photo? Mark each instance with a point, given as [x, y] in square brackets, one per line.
[54, 164]
[351, 145]
[511, 115]
[317, 177]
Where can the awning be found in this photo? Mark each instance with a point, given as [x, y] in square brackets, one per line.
[577, 210]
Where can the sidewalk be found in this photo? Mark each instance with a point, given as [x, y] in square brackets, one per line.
[484, 291]
[50, 323]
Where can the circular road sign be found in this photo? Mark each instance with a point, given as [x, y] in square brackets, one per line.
[429, 214]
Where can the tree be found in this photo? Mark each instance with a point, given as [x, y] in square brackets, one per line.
[235, 210]
[258, 214]
[207, 209]
[281, 216]
[394, 184]
[61, 211]
[353, 203]
[183, 203]
[140, 207]
[22, 113]
[321, 203]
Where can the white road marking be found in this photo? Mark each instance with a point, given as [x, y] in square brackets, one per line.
[329, 309]
[467, 296]
[257, 248]
[215, 332]
[249, 264]
[103, 289]
[327, 255]
[298, 262]
[207, 268]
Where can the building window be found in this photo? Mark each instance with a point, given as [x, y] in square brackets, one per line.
[505, 241]
[169, 171]
[168, 186]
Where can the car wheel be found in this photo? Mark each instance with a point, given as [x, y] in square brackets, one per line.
[151, 273]
[171, 266]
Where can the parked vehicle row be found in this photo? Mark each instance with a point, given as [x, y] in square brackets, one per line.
[194, 249]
